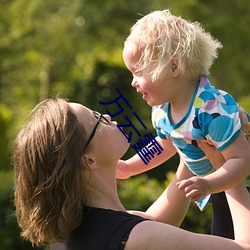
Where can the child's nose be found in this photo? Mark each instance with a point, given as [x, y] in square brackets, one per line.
[134, 83]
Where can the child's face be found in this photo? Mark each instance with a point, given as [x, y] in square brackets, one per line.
[152, 92]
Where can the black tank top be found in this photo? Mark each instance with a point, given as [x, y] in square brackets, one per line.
[102, 229]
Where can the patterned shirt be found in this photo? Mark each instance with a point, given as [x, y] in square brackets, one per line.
[213, 115]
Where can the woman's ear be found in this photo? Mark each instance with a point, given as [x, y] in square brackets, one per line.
[89, 161]
[175, 66]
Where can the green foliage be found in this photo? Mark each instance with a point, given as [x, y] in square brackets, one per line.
[9, 231]
[197, 221]
[245, 103]
[5, 124]
[73, 48]
[230, 71]
[139, 192]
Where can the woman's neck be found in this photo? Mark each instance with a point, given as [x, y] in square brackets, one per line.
[102, 189]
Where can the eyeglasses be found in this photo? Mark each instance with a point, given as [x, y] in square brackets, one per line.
[100, 118]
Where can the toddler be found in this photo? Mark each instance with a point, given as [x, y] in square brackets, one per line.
[170, 59]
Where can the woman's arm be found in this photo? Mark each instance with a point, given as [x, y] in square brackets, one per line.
[245, 122]
[239, 203]
[171, 207]
[160, 236]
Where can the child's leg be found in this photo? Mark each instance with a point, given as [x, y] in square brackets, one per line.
[222, 224]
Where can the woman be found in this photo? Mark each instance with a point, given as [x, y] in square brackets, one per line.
[65, 189]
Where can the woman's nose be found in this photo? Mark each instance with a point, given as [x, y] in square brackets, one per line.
[107, 117]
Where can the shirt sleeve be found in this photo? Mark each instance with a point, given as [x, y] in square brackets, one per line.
[159, 122]
[219, 120]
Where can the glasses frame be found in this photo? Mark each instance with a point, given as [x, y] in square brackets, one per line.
[100, 118]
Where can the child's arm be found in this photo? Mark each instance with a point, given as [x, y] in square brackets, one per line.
[233, 172]
[135, 165]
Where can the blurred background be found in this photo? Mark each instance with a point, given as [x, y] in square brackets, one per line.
[72, 49]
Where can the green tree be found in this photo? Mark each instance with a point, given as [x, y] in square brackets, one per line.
[228, 22]
[73, 48]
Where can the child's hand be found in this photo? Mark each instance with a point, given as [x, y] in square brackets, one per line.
[122, 170]
[194, 187]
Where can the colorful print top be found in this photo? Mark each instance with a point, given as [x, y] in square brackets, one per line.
[213, 116]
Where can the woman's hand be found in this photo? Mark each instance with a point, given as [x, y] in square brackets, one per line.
[245, 124]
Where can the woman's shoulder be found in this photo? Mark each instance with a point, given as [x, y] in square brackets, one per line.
[110, 227]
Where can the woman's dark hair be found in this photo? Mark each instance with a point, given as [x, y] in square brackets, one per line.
[49, 180]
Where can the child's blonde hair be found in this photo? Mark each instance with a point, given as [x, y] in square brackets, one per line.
[161, 36]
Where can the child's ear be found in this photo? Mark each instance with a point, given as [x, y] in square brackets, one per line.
[175, 66]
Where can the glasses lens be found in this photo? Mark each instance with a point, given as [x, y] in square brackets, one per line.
[99, 116]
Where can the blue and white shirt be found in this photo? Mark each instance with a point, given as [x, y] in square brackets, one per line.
[213, 115]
